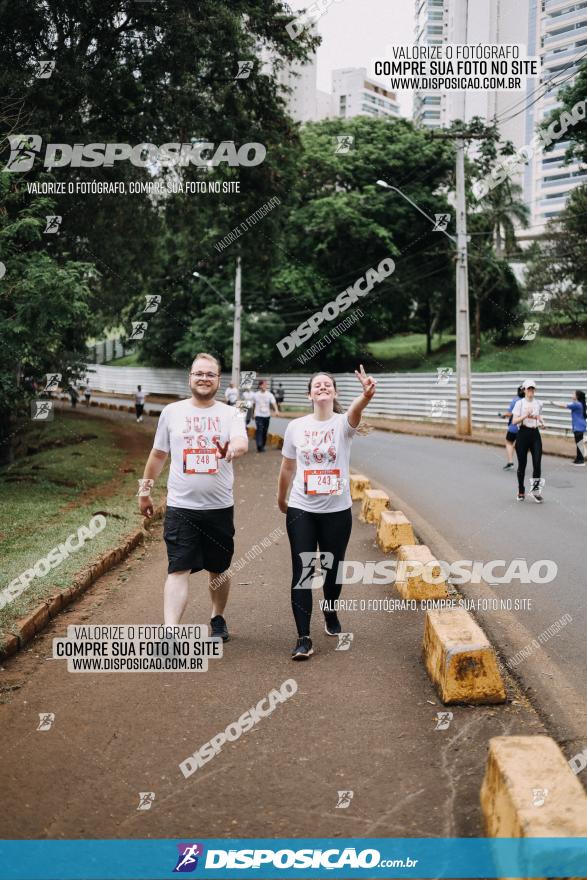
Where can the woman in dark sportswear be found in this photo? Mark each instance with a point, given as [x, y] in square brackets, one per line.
[512, 431]
[579, 423]
[317, 448]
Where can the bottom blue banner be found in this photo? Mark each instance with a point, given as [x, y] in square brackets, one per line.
[292, 857]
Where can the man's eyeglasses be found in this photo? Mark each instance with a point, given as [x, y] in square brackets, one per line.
[205, 375]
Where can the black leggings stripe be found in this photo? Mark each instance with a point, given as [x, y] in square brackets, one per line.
[308, 532]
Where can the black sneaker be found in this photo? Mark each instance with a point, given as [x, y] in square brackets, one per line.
[536, 492]
[508, 466]
[219, 628]
[332, 625]
[521, 496]
[303, 649]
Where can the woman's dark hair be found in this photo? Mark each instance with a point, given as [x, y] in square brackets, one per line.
[521, 392]
[337, 408]
[581, 399]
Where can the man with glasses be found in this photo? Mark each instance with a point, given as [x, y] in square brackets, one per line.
[203, 436]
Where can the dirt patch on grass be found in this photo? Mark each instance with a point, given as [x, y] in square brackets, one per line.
[136, 445]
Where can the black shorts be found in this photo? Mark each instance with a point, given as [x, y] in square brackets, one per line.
[511, 436]
[199, 539]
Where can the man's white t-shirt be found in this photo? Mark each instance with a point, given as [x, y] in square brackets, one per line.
[319, 448]
[263, 401]
[187, 431]
[139, 397]
[231, 395]
[531, 410]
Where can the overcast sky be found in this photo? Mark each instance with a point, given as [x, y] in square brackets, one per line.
[356, 31]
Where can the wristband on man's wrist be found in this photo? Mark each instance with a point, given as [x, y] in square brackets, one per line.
[145, 486]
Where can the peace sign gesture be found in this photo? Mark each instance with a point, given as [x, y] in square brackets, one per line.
[368, 382]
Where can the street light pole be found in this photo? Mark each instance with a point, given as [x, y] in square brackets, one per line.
[463, 345]
[236, 332]
[236, 336]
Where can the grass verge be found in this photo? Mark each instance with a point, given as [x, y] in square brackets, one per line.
[408, 353]
[47, 496]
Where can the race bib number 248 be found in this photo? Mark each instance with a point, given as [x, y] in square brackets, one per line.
[200, 461]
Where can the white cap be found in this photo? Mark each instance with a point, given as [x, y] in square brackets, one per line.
[528, 383]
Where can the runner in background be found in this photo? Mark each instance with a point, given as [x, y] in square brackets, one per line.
[139, 403]
[249, 399]
[231, 394]
[317, 449]
[73, 395]
[578, 416]
[527, 413]
[203, 436]
[264, 403]
[87, 391]
[512, 431]
[279, 394]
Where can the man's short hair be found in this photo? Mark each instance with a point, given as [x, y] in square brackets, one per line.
[208, 357]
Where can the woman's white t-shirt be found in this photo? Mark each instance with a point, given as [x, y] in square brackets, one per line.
[530, 409]
[320, 448]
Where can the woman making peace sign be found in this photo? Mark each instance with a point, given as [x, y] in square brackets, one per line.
[317, 447]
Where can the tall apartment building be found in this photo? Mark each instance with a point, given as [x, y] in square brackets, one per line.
[558, 30]
[554, 30]
[431, 30]
[355, 94]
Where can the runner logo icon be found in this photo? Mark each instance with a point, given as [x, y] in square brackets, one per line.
[187, 859]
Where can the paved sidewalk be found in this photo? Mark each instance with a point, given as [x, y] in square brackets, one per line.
[362, 720]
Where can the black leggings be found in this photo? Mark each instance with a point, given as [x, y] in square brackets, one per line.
[307, 532]
[579, 458]
[529, 440]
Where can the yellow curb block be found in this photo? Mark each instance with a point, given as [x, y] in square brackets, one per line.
[33, 622]
[359, 483]
[374, 502]
[529, 790]
[415, 586]
[394, 529]
[459, 659]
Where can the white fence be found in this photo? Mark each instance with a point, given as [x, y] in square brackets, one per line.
[110, 349]
[399, 395]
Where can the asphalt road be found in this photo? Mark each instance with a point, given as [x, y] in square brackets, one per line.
[464, 506]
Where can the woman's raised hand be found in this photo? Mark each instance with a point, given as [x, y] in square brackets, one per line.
[368, 382]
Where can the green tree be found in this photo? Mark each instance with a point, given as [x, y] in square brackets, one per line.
[44, 310]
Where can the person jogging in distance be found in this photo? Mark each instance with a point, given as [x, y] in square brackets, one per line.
[527, 413]
[579, 423]
[249, 399]
[512, 431]
[203, 437]
[317, 449]
[87, 392]
[279, 394]
[231, 395]
[139, 403]
[265, 403]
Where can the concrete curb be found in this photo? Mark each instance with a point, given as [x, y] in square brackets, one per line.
[529, 790]
[459, 659]
[37, 619]
[456, 653]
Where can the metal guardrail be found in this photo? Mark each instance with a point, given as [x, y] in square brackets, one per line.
[416, 396]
